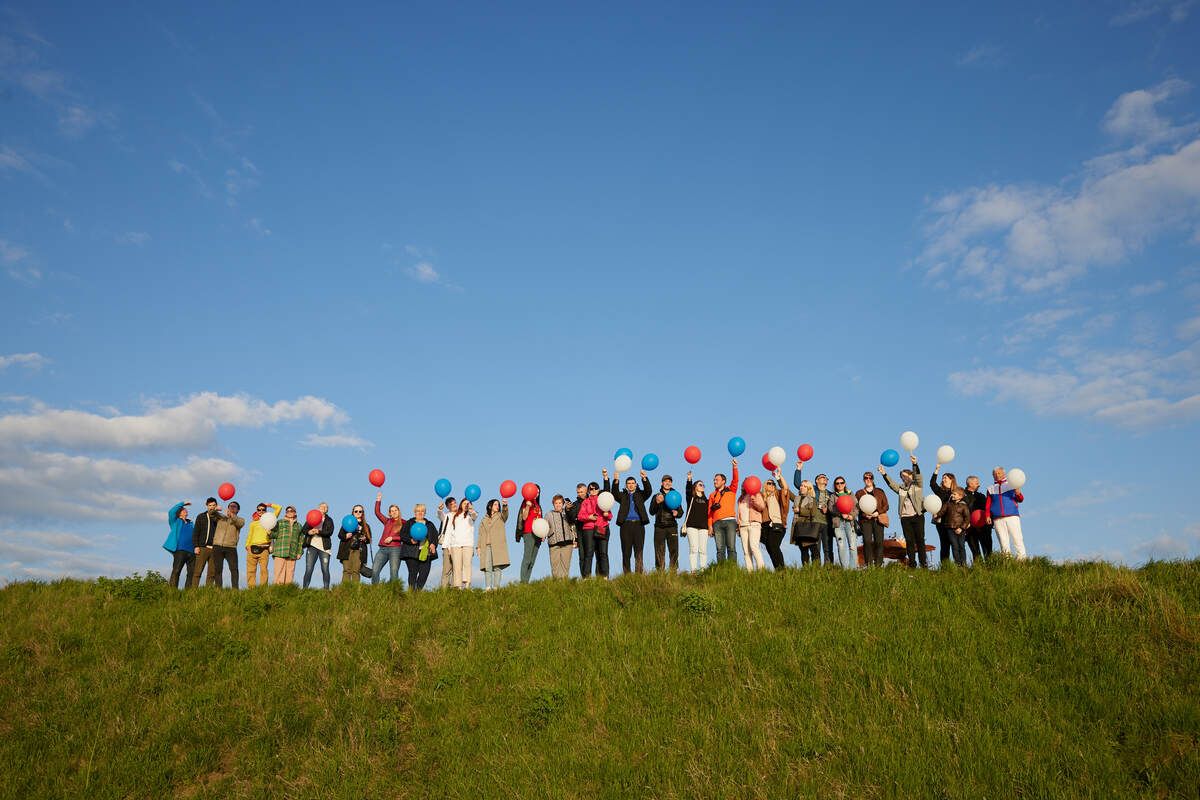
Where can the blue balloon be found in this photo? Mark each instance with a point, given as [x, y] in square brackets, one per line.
[442, 487]
[419, 531]
[349, 523]
[649, 461]
[889, 458]
[674, 499]
[737, 446]
[472, 493]
[624, 451]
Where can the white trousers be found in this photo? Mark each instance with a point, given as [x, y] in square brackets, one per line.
[697, 548]
[751, 535]
[1010, 527]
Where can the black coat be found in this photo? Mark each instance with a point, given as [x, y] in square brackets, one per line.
[325, 532]
[663, 516]
[638, 498]
[205, 527]
[411, 547]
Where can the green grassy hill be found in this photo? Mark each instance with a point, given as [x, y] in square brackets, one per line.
[1015, 680]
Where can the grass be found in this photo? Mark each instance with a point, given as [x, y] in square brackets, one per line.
[1012, 680]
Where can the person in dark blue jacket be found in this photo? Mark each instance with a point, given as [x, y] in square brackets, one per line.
[179, 543]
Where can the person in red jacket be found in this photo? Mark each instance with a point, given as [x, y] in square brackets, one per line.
[596, 521]
[389, 541]
[722, 514]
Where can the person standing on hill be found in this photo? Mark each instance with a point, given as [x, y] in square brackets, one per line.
[750, 509]
[955, 514]
[777, 500]
[390, 542]
[353, 547]
[493, 543]
[844, 532]
[318, 546]
[258, 547]
[912, 511]
[561, 540]
[202, 539]
[942, 489]
[531, 511]
[458, 544]
[666, 526]
[596, 521]
[806, 527]
[224, 549]
[179, 543]
[874, 524]
[583, 536]
[722, 514]
[287, 543]
[695, 524]
[418, 555]
[1002, 512]
[445, 510]
[979, 539]
[631, 517]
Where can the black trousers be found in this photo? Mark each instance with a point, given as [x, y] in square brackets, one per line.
[587, 551]
[943, 542]
[872, 533]
[217, 559]
[183, 558]
[914, 539]
[980, 542]
[601, 548]
[810, 552]
[633, 542]
[418, 572]
[666, 543]
[772, 540]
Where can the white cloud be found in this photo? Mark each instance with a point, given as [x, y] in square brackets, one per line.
[22, 65]
[47, 554]
[190, 424]
[1037, 325]
[1134, 115]
[1176, 11]
[180, 168]
[1144, 289]
[17, 263]
[981, 55]
[335, 440]
[256, 225]
[12, 160]
[27, 360]
[1188, 329]
[424, 272]
[133, 237]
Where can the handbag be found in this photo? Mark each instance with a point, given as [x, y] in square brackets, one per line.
[423, 554]
[364, 568]
[258, 549]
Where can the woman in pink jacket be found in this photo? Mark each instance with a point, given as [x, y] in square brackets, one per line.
[750, 508]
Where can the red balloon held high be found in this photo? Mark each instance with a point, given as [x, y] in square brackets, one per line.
[766, 462]
[226, 491]
[530, 491]
[376, 477]
[692, 454]
[845, 503]
[804, 452]
[508, 489]
[314, 518]
[752, 485]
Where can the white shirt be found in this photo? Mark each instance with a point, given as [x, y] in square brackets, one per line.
[460, 531]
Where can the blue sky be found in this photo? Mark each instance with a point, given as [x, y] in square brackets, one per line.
[450, 240]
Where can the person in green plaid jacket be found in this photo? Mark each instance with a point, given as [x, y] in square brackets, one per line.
[287, 543]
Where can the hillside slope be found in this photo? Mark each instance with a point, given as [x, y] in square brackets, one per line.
[1026, 680]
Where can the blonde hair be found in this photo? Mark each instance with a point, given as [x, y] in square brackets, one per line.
[806, 485]
[418, 507]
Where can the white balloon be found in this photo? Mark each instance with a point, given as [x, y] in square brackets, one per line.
[541, 528]
[909, 441]
[268, 520]
[933, 503]
[1016, 478]
[606, 501]
[623, 463]
[867, 503]
[945, 454]
[777, 455]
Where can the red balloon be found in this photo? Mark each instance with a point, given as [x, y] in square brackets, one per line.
[226, 491]
[977, 518]
[845, 503]
[804, 452]
[508, 489]
[767, 465]
[314, 518]
[692, 454]
[376, 477]
[530, 491]
[752, 485]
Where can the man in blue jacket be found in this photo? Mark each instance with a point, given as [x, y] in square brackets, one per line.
[1003, 514]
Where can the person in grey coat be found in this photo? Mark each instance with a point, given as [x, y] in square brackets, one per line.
[912, 511]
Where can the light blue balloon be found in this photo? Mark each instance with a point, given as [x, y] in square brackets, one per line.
[674, 499]
[624, 451]
[472, 493]
[889, 458]
[442, 487]
[737, 446]
[649, 462]
[349, 523]
[419, 531]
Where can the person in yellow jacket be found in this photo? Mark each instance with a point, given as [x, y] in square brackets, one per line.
[258, 545]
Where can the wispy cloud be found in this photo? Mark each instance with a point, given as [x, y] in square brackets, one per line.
[137, 238]
[181, 168]
[1145, 289]
[256, 225]
[1037, 325]
[981, 55]
[26, 360]
[422, 270]
[335, 440]
[18, 263]
[1175, 11]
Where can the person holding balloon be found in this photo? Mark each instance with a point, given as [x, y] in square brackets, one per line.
[806, 529]
[912, 511]
[531, 510]
[318, 533]
[722, 509]
[979, 538]
[447, 508]
[595, 513]
[224, 546]
[695, 524]
[419, 544]
[391, 543]
[750, 509]
[666, 507]
[560, 537]
[353, 542]
[458, 544]
[583, 538]
[202, 539]
[631, 517]
[942, 489]
[179, 543]
[845, 534]
[287, 543]
[258, 543]
[493, 543]
[1002, 512]
[872, 519]
[955, 514]
[777, 500]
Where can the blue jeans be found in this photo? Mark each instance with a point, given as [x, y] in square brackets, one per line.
[311, 555]
[491, 573]
[385, 555]
[725, 534]
[847, 543]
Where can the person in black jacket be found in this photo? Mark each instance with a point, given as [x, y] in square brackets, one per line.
[202, 539]
[317, 546]
[979, 537]
[666, 526]
[410, 551]
[631, 517]
[587, 545]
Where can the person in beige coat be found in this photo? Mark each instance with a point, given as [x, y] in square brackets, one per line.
[224, 549]
[493, 545]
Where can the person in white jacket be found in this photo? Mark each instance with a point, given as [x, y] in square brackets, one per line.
[458, 543]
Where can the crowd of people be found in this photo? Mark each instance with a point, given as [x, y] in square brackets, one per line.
[747, 515]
